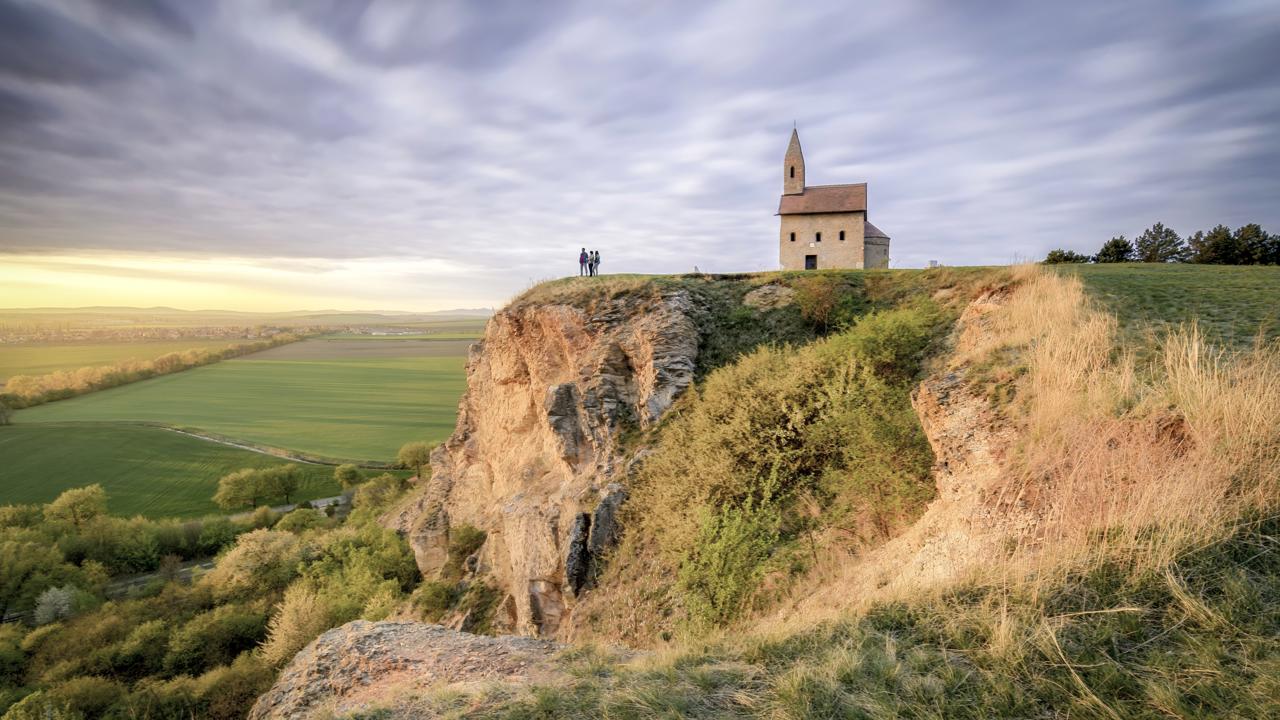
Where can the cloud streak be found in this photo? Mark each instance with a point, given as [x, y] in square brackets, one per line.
[496, 139]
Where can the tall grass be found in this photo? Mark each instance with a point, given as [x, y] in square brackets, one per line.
[1136, 462]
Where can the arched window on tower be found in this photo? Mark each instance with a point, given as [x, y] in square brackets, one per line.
[817, 237]
[841, 236]
[793, 171]
[793, 237]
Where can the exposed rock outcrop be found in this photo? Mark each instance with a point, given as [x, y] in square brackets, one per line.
[535, 453]
[363, 664]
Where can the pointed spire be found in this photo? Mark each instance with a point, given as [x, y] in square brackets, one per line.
[793, 166]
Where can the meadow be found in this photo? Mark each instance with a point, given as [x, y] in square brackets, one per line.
[43, 358]
[146, 470]
[1231, 304]
[342, 400]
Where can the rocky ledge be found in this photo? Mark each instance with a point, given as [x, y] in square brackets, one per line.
[362, 664]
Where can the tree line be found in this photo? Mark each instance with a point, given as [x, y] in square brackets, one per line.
[1247, 245]
[23, 391]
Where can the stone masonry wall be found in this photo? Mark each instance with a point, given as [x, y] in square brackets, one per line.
[831, 252]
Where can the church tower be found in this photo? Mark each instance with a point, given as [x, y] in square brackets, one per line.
[793, 167]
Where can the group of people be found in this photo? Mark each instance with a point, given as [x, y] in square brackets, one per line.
[589, 262]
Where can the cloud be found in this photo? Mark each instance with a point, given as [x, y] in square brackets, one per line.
[497, 140]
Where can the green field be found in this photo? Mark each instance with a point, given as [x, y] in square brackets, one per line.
[333, 400]
[40, 358]
[1230, 303]
[146, 470]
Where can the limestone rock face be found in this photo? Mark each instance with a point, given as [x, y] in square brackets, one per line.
[535, 451]
[367, 664]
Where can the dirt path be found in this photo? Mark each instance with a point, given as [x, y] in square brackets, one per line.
[282, 454]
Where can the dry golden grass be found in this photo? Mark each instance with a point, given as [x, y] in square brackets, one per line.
[1139, 463]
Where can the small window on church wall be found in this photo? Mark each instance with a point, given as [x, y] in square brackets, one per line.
[793, 237]
[817, 237]
[793, 171]
[841, 236]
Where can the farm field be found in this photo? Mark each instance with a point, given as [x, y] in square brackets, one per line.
[41, 358]
[145, 470]
[328, 399]
[1229, 303]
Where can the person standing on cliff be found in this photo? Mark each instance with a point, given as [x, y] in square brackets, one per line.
[582, 262]
[595, 262]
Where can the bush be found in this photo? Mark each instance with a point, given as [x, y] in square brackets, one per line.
[1059, 257]
[261, 561]
[378, 492]
[434, 598]
[55, 604]
[299, 521]
[90, 697]
[214, 638]
[302, 616]
[830, 422]
[348, 476]
[464, 541]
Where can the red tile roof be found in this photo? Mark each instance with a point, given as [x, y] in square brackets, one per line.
[825, 199]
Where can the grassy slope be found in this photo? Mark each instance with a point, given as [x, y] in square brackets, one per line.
[40, 359]
[357, 409]
[1198, 641]
[145, 470]
[1230, 303]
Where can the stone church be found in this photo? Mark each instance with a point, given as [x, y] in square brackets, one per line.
[825, 226]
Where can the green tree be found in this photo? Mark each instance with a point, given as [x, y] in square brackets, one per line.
[242, 488]
[1254, 245]
[1058, 257]
[1217, 247]
[415, 455]
[6, 414]
[77, 505]
[1160, 244]
[348, 476]
[283, 481]
[1116, 250]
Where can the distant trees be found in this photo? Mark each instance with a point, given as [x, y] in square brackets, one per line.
[1116, 250]
[1160, 244]
[23, 391]
[239, 489]
[348, 476]
[1247, 245]
[6, 414]
[77, 506]
[1058, 257]
[248, 487]
[415, 455]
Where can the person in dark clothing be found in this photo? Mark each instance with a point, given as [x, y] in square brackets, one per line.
[595, 262]
[582, 262]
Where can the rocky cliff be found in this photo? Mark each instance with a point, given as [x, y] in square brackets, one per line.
[536, 450]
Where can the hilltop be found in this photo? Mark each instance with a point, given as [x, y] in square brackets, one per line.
[854, 493]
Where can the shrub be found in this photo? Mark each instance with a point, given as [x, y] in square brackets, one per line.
[214, 638]
[55, 604]
[378, 492]
[464, 541]
[264, 517]
[348, 476]
[226, 692]
[434, 598]
[90, 697]
[1059, 257]
[831, 422]
[299, 619]
[299, 521]
[261, 561]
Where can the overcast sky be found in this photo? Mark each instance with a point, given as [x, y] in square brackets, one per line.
[426, 155]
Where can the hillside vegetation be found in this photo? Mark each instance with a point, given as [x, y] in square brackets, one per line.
[1116, 556]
